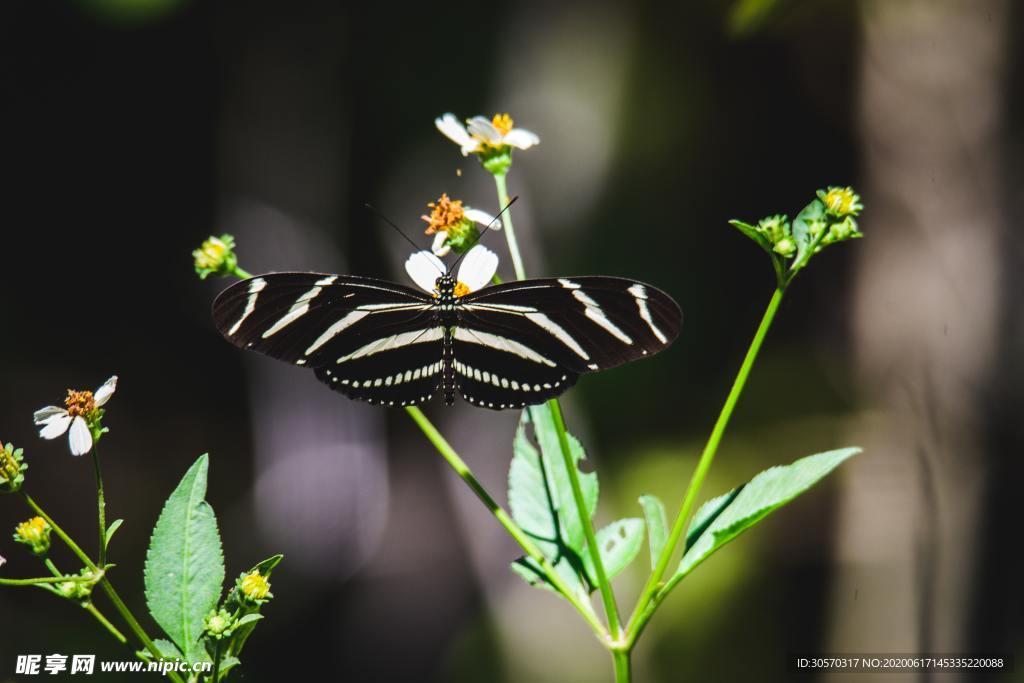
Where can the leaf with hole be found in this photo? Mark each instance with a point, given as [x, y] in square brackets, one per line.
[618, 543]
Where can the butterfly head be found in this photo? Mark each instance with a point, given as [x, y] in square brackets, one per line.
[448, 288]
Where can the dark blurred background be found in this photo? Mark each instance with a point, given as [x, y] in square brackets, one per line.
[135, 128]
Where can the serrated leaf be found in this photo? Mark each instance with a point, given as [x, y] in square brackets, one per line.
[184, 570]
[558, 476]
[708, 513]
[657, 525]
[764, 494]
[752, 232]
[111, 530]
[618, 543]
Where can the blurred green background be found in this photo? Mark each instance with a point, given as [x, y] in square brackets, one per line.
[135, 128]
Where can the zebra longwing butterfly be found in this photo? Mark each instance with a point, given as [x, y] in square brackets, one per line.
[499, 346]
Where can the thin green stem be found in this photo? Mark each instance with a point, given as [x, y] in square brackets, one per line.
[91, 609]
[603, 584]
[623, 665]
[642, 613]
[101, 505]
[108, 588]
[241, 273]
[514, 530]
[45, 579]
[510, 233]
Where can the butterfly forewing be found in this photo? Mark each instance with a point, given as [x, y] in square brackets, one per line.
[353, 331]
[585, 323]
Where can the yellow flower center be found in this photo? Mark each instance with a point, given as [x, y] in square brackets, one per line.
[255, 586]
[80, 403]
[461, 289]
[503, 122]
[839, 200]
[445, 213]
[33, 530]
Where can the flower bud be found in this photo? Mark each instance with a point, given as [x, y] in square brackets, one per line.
[219, 624]
[12, 468]
[254, 588]
[35, 533]
[841, 201]
[216, 256]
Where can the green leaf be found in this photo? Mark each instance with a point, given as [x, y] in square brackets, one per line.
[111, 530]
[618, 543]
[185, 564]
[707, 514]
[267, 566]
[248, 619]
[533, 498]
[558, 476]
[657, 526]
[530, 572]
[752, 232]
[748, 505]
[812, 215]
[227, 663]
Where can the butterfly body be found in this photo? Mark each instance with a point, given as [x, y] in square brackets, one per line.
[502, 346]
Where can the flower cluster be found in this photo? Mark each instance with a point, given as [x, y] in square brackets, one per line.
[829, 219]
[80, 417]
[78, 590]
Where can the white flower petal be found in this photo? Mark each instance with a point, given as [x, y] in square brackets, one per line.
[483, 218]
[55, 425]
[482, 128]
[478, 267]
[80, 437]
[439, 247]
[43, 415]
[104, 393]
[453, 130]
[424, 268]
[521, 138]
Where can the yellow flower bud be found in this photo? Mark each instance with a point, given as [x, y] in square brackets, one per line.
[255, 587]
[35, 533]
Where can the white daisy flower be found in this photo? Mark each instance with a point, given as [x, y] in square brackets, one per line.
[82, 408]
[454, 225]
[476, 270]
[480, 135]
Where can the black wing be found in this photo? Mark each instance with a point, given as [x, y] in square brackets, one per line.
[520, 343]
[366, 338]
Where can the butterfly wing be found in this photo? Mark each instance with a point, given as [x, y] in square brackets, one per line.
[366, 338]
[520, 343]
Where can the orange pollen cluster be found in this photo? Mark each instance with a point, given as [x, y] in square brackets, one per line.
[446, 213]
[461, 289]
[503, 122]
[80, 403]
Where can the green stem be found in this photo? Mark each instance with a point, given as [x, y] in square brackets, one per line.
[91, 609]
[623, 666]
[241, 273]
[215, 674]
[101, 505]
[108, 588]
[514, 530]
[603, 584]
[642, 613]
[44, 579]
[510, 233]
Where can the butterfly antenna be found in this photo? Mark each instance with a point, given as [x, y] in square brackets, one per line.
[490, 226]
[397, 229]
